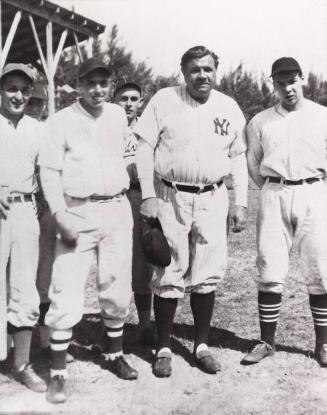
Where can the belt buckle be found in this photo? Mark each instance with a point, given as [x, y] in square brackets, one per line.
[200, 190]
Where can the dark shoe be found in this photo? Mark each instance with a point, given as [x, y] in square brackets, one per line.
[206, 362]
[57, 390]
[30, 379]
[162, 365]
[45, 355]
[148, 337]
[122, 369]
[259, 352]
[321, 354]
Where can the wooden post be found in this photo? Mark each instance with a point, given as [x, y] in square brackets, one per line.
[51, 89]
[10, 37]
[89, 47]
[79, 52]
[38, 45]
[59, 49]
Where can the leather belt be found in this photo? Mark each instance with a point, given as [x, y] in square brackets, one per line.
[98, 198]
[191, 188]
[21, 198]
[280, 180]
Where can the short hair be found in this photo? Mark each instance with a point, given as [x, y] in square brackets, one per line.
[197, 52]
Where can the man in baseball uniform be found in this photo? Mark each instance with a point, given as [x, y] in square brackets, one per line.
[191, 137]
[37, 108]
[84, 179]
[129, 96]
[19, 227]
[287, 160]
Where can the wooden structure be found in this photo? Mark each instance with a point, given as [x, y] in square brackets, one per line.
[34, 31]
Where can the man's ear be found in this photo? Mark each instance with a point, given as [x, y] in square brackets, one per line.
[141, 102]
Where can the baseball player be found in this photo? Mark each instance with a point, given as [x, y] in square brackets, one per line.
[85, 180]
[129, 96]
[37, 108]
[287, 160]
[190, 138]
[19, 227]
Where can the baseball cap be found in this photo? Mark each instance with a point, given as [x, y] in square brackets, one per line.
[123, 84]
[285, 64]
[155, 245]
[18, 67]
[39, 91]
[90, 65]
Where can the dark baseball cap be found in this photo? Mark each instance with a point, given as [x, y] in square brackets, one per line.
[123, 84]
[18, 67]
[90, 65]
[285, 65]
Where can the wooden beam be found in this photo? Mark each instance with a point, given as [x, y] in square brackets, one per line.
[79, 52]
[89, 47]
[59, 49]
[38, 45]
[51, 90]
[48, 11]
[9, 39]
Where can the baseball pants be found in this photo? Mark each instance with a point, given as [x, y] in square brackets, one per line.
[292, 216]
[195, 227]
[46, 255]
[19, 252]
[141, 271]
[105, 230]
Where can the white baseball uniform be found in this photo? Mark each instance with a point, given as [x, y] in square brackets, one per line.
[194, 144]
[88, 152]
[290, 145]
[141, 272]
[19, 233]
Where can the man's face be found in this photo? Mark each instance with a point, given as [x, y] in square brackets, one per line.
[130, 99]
[200, 77]
[289, 87]
[94, 89]
[35, 107]
[15, 93]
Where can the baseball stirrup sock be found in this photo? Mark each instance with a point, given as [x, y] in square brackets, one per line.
[164, 311]
[59, 342]
[43, 308]
[202, 308]
[22, 345]
[143, 304]
[269, 307]
[318, 305]
[114, 335]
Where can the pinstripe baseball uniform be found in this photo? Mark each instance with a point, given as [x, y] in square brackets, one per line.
[194, 144]
[19, 233]
[291, 145]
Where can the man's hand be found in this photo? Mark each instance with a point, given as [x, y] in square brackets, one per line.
[149, 208]
[68, 233]
[239, 218]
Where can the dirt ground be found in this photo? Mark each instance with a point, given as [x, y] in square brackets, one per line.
[290, 382]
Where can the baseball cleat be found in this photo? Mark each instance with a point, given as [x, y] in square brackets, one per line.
[122, 369]
[56, 392]
[30, 379]
[207, 362]
[321, 354]
[259, 352]
[162, 365]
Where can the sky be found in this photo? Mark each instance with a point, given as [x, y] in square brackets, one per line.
[255, 32]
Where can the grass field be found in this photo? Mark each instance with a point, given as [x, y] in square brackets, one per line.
[290, 383]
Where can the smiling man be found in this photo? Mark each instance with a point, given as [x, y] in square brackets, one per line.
[84, 179]
[19, 148]
[287, 160]
[191, 137]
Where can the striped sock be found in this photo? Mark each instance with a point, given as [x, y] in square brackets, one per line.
[113, 336]
[318, 305]
[269, 306]
[59, 342]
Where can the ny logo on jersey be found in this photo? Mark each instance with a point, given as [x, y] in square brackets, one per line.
[221, 127]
